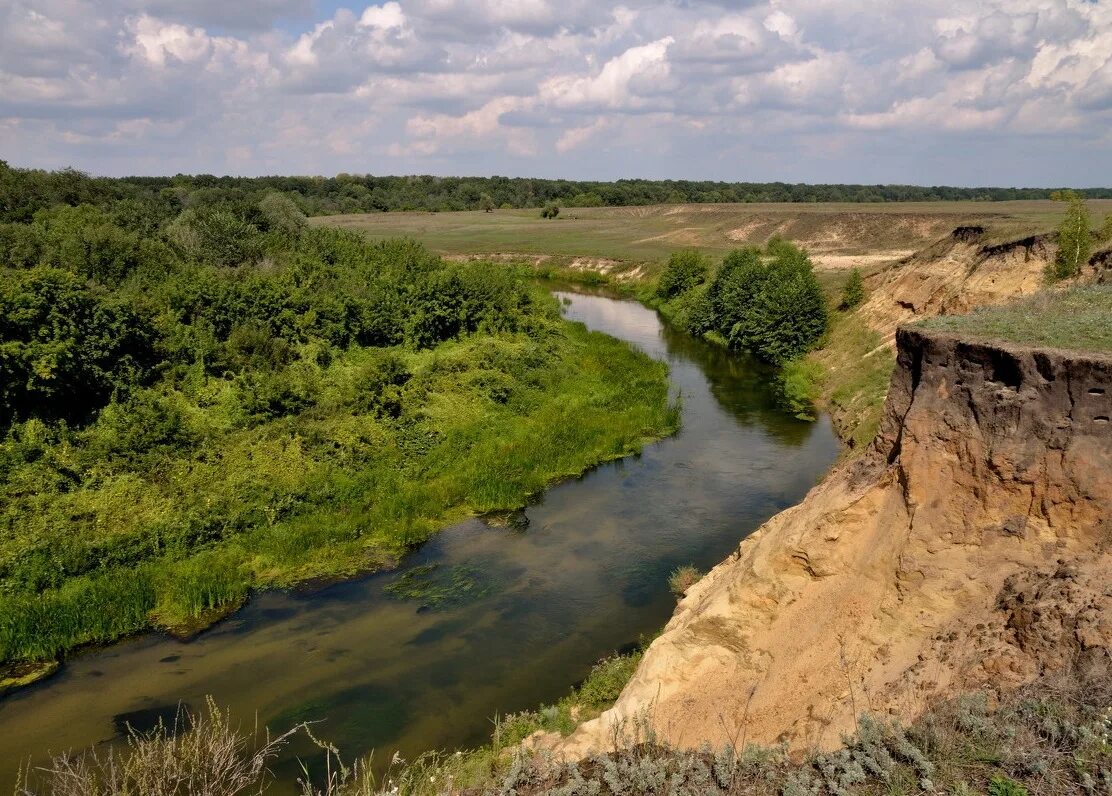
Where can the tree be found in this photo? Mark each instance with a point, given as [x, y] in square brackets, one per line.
[774, 309]
[853, 294]
[218, 237]
[685, 270]
[282, 215]
[734, 285]
[787, 315]
[1075, 239]
[551, 210]
[64, 347]
[486, 203]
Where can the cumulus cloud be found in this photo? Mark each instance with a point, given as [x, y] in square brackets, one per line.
[773, 89]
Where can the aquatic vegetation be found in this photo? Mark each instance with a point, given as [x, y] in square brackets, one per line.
[435, 586]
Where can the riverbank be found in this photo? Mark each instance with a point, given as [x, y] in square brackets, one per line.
[478, 620]
[485, 423]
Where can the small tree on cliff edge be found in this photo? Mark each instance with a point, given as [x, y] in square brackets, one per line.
[1075, 239]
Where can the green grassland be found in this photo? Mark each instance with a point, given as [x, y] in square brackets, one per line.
[650, 234]
[1078, 319]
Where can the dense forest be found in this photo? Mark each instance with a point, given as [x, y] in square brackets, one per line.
[200, 395]
[24, 190]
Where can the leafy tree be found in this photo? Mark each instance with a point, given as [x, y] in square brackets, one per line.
[84, 240]
[219, 237]
[853, 294]
[551, 210]
[787, 316]
[734, 286]
[770, 303]
[20, 245]
[64, 349]
[591, 199]
[1075, 239]
[685, 270]
[282, 215]
[1105, 233]
[486, 203]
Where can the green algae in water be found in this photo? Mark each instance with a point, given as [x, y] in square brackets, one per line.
[436, 586]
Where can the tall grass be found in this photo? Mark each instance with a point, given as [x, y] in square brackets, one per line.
[87, 610]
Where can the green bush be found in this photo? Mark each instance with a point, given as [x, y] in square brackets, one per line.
[1075, 237]
[775, 308]
[66, 348]
[853, 294]
[685, 270]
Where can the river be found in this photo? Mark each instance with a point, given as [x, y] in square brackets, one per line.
[587, 577]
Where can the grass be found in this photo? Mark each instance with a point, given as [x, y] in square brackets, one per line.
[650, 234]
[856, 371]
[683, 578]
[1053, 736]
[486, 422]
[1076, 318]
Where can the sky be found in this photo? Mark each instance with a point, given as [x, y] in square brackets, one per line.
[956, 92]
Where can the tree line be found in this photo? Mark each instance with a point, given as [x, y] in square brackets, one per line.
[22, 190]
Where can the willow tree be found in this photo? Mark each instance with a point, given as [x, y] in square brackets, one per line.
[1075, 238]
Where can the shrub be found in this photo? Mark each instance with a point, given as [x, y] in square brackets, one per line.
[786, 315]
[550, 210]
[1075, 239]
[685, 270]
[282, 215]
[64, 348]
[799, 386]
[853, 294]
[683, 578]
[217, 237]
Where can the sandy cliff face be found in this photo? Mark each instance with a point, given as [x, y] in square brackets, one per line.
[954, 275]
[968, 548]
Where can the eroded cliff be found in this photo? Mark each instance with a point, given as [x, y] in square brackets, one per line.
[967, 548]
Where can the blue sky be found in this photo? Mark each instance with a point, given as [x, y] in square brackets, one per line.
[961, 92]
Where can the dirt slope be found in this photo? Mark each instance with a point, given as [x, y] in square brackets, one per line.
[963, 271]
[954, 275]
[968, 547]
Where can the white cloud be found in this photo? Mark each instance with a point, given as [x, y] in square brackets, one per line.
[743, 90]
[613, 86]
[577, 136]
[155, 41]
[384, 17]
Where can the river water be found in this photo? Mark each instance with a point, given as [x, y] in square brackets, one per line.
[587, 577]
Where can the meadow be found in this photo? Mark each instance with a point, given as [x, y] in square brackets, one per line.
[838, 234]
[1078, 319]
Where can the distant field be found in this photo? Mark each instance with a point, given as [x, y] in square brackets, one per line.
[838, 234]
